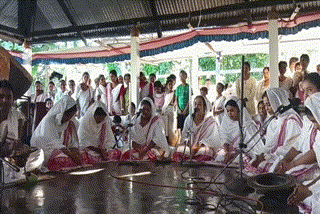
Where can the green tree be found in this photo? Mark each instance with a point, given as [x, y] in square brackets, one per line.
[114, 66]
[165, 68]
[11, 46]
[149, 69]
[207, 63]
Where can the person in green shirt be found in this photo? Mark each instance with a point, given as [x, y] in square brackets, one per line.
[182, 99]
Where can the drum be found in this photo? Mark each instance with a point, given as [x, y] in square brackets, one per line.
[276, 189]
[11, 70]
[271, 182]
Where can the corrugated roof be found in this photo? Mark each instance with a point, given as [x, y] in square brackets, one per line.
[69, 19]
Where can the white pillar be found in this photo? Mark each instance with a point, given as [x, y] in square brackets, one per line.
[27, 56]
[27, 62]
[135, 66]
[273, 48]
[194, 71]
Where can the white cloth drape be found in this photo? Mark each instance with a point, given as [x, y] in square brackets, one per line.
[313, 103]
[48, 135]
[12, 123]
[230, 129]
[208, 128]
[84, 98]
[89, 131]
[279, 97]
[218, 105]
[150, 132]
[102, 92]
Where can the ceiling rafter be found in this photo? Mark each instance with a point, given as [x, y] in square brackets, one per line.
[134, 21]
[71, 19]
[155, 14]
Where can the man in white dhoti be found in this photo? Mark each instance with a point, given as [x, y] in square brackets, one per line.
[250, 86]
[168, 110]
[10, 134]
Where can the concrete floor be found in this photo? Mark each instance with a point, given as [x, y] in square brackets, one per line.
[101, 193]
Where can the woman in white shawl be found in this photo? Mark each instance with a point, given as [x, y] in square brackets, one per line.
[57, 135]
[295, 162]
[281, 133]
[101, 90]
[168, 110]
[148, 138]
[84, 94]
[310, 196]
[218, 104]
[115, 95]
[203, 129]
[96, 136]
[230, 131]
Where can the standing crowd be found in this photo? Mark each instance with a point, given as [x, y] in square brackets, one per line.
[85, 125]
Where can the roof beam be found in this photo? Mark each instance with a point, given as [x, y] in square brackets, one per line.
[26, 15]
[5, 5]
[155, 14]
[132, 22]
[71, 19]
[248, 14]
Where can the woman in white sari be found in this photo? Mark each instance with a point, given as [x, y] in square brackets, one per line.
[148, 138]
[230, 131]
[100, 93]
[96, 136]
[310, 196]
[203, 129]
[296, 161]
[218, 104]
[84, 94]
[57, 135]
[281, 133]
[168, 110]
[115, 95]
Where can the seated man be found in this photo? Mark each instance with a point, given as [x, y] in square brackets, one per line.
[10, 124]
[148, 138]
[57, 135]
[96, 136]
[281, 133]
[203, 129]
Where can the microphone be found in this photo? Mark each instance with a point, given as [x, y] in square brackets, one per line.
[194, 113]
[280, 110]
[139, 112]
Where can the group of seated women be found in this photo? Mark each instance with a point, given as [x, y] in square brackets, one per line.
[287, 143]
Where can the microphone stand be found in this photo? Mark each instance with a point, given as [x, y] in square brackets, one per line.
[130, 125]
[265, 124]
[190, 162]
[239, 186]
